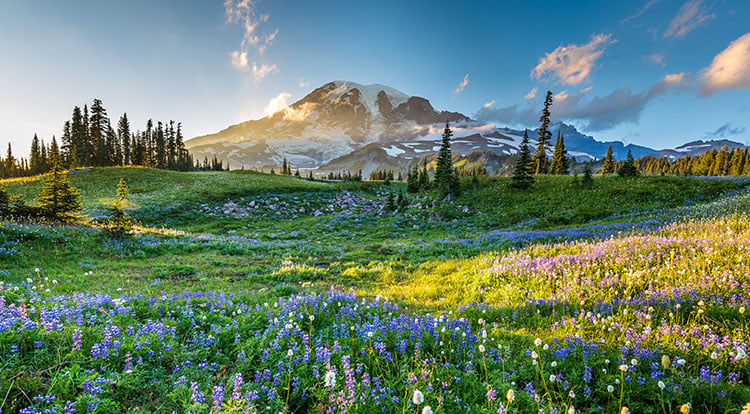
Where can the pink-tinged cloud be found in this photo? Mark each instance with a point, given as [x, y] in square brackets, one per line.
[461, 85]
[531, 94]
[690, 16]
[260, 72]
[572, 64]
[730, 69]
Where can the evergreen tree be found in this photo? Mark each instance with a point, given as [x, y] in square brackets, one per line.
[119, 223]
[67, 150]
[412, 179]
[559, 164]
[98, 123]
[390, 202]
[54, 152]
[446, 178]
[587, 181]
[58, 199]
[123, 134]
[522, 177]
[609, 162]
[10, 163]
[540, 158]
[35, 157]
[628, 168]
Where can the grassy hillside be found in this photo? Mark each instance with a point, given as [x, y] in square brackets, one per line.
[152, 187]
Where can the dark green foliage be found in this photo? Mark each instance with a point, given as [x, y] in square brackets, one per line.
[587, 181]
[560, 165]
[424, 178]
[522, 177]
[446, 178]
[540, 158]
[4, 200]
[390, 203]
[609, 162]
[628, 168]
[402, 201]
[412, 179]
[59, 200]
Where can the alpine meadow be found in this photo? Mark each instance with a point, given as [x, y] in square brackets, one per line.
[195, 218]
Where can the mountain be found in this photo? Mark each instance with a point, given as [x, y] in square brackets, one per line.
[698, 147]
[344, 125]
[331, 121]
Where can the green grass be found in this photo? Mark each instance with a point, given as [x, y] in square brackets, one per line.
[449, 265]
[153, 187]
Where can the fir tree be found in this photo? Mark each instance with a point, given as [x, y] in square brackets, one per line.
[540, 158]
[628, 168]
[35, 156]
[522, 177]
[58, 199]
[446, 178]
[560, 157]
[390, 202]
[609, 162]
[119, 223]
[587, 181]
[123, 134]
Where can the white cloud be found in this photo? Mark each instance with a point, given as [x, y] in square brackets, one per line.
[691, 15]
[730, 69]
[572, 64]
[239, 59]
[461, 85]
[243, 12]
[277, 103]
[260, 72]
[531, 94]
[488, 104]
[302, 83]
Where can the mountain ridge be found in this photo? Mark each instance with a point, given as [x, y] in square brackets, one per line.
[347, 125]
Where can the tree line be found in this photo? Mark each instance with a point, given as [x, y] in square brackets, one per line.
[90, 140]
[722, 162]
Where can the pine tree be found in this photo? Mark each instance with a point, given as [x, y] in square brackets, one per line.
[35, 156]
[446, 178]
[540, 158]
[587, 181]
[123, 134]
[390, 202]
[609, 162]
[58, 199]
[10, 163]
[97, 132]
[54, 152]
[120, 224]
[560, 157]
[628, 168]
[522, 177]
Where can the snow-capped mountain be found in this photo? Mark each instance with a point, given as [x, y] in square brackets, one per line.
[343, 125]
[333, 120]
[698, 147]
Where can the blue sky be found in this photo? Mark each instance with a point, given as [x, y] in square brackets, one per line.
[655, 73]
